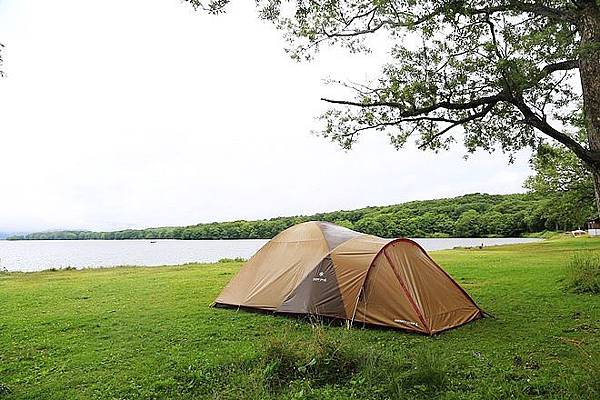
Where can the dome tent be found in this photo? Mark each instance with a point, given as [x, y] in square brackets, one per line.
[322, 269]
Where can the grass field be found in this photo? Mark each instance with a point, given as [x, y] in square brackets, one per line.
[150, 333]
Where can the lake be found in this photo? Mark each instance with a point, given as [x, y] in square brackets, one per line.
[37, 255]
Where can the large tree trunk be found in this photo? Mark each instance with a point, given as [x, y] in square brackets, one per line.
[589, 68]
[596, 177]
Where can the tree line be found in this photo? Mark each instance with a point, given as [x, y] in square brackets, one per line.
[471, 215]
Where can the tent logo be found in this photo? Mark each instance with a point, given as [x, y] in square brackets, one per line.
[405, 322]
[320, 278]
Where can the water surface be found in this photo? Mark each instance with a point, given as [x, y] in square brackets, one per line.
[37, 255]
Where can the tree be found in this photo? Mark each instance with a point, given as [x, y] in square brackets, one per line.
[468, 225]
[344, 222]
[371, 226]
[562, 179]
[503, 70]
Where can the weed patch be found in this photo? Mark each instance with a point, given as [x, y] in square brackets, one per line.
[322, 360]
[583, 273]
[233, 380]
[288, 367]
[429, 372]
[4, 390]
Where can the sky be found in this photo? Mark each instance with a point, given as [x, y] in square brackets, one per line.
[139, 113]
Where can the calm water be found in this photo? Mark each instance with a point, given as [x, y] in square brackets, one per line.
[36, 255]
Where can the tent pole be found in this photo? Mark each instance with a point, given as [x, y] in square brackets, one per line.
[355, 307]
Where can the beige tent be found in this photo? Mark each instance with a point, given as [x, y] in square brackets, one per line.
[322, 269]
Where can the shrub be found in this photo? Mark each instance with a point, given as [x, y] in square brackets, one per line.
[583, 273]
[231, 260]
[58, 269]
[440, 235]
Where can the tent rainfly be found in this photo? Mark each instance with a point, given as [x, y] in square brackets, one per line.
[322, 269]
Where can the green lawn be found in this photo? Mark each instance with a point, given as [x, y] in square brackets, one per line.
[150, 333]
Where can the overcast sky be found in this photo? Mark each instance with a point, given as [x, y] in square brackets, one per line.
[117, 114]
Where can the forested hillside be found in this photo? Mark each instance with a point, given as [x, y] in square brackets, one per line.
[465, 216]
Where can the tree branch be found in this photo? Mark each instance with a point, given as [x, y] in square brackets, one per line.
[560, 66]
[447, 105]
[534, 120]
[535, 8]
[479, 114]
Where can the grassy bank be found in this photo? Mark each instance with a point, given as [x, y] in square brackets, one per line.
[149, 333]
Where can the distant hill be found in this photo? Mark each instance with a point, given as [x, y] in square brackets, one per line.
[470, 215]
[5, 235]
